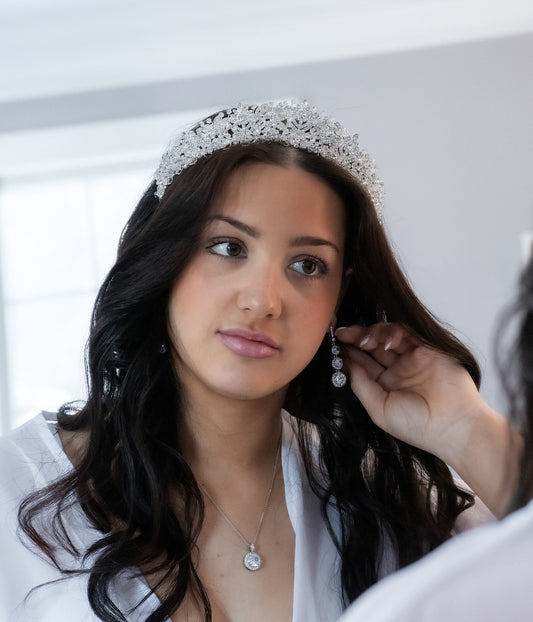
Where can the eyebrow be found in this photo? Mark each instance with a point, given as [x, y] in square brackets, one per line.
[304, 240]
[251, 231]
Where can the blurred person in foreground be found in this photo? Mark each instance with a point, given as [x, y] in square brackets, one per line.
[485, 574]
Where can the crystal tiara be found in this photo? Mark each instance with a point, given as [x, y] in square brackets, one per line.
[296, 124]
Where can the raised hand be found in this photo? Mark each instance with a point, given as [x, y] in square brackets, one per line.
[426, 398]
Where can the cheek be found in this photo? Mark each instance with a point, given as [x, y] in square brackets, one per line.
[315, 315]
[193, 299]
[317, 309]
[312, 323]
[183, 300]
[191, 289]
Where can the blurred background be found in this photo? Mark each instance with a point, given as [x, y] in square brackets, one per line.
[440, 93]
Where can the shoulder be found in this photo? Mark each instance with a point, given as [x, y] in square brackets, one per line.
[30, 457]
[478, 575]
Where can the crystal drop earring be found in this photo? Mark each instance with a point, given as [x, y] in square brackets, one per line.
[163, 349]
[338, 377]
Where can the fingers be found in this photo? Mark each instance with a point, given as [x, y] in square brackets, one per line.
[385, 341]
[367, 389]
[389, 336]
[364, 369]
[356, 358]
[375, 371]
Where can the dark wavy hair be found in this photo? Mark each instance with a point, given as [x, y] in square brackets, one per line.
[387, 493]
[515, 365]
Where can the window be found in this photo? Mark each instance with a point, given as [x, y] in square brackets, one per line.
[58, 238]
[64, 199]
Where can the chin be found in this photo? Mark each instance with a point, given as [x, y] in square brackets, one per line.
[248, 393]
[246, 389]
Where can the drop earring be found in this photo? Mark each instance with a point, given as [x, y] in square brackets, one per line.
[338, 377]
[163, 349]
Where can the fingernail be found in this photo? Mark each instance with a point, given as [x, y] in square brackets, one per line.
[364, 342]
[340, 330]
[388, 344]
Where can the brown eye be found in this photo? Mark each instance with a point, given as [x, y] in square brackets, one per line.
[233, 249]
[310, 267]
[227, 248]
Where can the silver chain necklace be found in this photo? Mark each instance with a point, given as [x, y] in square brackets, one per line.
[252, 560]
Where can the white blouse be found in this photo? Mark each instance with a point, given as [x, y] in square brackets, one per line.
[486, 574]
[31, 457]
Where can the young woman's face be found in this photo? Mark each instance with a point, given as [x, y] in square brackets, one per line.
[251, 309]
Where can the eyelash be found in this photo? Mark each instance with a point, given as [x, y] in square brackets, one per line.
[221, 242]
[321, 265]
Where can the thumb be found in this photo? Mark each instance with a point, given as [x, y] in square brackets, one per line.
[369, 392]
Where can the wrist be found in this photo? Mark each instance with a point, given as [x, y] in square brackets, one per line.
[488, 459]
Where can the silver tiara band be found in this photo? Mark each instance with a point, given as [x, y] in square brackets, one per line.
[296, 124]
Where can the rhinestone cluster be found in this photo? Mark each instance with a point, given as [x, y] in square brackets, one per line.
[252, 561]
[338, 377]
[292, 123]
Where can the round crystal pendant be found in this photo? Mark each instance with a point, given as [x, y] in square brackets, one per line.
[336, 363]
[338, 379]
[252, 561]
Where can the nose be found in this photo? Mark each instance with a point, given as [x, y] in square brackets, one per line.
[261, 292]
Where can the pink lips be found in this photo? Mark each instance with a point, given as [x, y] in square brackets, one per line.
[250, 344]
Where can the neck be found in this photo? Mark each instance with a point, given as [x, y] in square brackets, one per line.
[223, 433]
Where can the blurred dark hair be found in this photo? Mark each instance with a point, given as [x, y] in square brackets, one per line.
[515, 363]
[387, 493]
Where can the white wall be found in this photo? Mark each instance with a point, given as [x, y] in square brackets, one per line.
[449, 127]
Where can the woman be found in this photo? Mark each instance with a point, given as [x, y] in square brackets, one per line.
[486, 574]
[190, 492]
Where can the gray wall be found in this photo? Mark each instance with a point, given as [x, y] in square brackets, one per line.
[450, 129]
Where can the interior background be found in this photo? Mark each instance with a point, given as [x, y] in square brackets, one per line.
[441, 94]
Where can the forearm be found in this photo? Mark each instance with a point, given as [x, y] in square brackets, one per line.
[489, 459]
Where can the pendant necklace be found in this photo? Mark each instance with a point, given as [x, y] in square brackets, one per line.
[252, 560]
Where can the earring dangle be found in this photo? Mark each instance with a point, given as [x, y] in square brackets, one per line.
[338, 377]
[162, 349]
